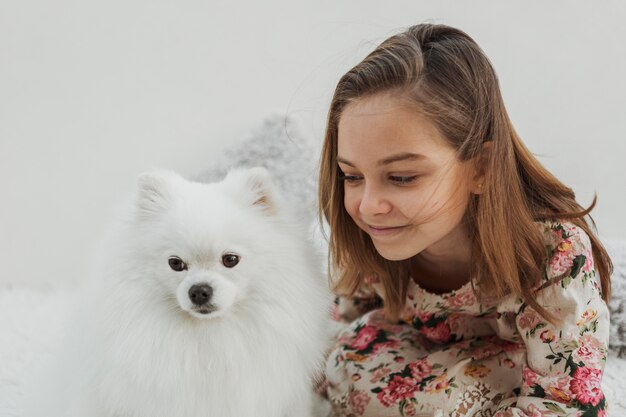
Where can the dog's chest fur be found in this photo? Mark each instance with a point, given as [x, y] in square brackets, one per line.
[191, 368]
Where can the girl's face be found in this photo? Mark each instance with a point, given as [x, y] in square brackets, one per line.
[403, 184]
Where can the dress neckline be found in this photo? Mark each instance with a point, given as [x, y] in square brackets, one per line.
[442, 295]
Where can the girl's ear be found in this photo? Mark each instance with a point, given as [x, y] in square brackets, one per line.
[481, 162]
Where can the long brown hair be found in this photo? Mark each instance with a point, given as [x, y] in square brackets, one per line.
[448, 77]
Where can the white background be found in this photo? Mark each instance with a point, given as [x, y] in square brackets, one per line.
[93, 93]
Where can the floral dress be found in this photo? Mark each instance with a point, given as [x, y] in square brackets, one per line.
[451, 355]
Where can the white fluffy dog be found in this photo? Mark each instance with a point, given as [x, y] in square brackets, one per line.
[208, 302]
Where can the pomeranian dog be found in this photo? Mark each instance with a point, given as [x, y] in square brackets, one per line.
[208, 301]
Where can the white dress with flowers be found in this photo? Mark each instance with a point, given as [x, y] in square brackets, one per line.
[451, 355]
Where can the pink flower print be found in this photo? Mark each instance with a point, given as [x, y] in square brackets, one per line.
[529, 319]
[402, 388]
[590, 351]
[586, 385]
[483, 352]
[547, 336]
[420, 369]
[438, 334]
[365, 336]
[557, 235]
[461, 299]
[529, 377]
[389, 344]
[492, 346]
[399, 388]
[561, 262]
[358, 400]
[379, 374]
[386, 398]
[423, 316]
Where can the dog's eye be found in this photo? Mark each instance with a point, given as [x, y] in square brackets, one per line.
[229, 260]
[177, 264]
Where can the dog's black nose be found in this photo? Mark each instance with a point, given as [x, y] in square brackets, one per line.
[199, 294]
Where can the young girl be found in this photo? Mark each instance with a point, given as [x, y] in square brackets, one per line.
[472, 283]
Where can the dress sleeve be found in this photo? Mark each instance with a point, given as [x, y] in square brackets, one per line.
[347, 309]
[344, 311]
[565, 362]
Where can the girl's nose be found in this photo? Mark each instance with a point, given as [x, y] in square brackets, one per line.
[373, 202]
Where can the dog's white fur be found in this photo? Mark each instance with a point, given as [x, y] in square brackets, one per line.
[137, 348]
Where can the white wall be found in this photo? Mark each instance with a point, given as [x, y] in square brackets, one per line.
[92, 93]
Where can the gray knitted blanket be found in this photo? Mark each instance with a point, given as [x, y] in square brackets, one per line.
[617, 304]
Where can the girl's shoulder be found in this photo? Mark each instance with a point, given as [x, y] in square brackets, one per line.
[563, 235]
[569, 273]
[568, 251]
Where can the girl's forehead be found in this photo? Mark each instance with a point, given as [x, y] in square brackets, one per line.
[380, 126]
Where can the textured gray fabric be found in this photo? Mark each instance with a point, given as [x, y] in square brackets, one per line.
[617, 304]
[279, 146]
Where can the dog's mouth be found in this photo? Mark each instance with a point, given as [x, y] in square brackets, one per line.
[205, 309]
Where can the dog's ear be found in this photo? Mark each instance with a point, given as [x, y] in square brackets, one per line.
[253, 187]
[155, 191]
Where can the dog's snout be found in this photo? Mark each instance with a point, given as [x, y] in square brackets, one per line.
[199, 294]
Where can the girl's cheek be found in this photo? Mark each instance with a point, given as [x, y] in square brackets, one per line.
[351, 203]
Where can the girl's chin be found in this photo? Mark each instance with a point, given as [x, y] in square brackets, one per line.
[395, 252]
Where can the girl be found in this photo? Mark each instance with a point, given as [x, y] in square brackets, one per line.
[470, 279]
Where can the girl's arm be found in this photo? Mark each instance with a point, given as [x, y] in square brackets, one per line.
[564, 361]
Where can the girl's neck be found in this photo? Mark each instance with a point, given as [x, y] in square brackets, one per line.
[446, 266]
[439, 278]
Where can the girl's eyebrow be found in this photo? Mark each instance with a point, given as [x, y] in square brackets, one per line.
[404, 156]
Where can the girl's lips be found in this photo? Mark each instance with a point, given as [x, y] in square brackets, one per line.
[383, 231]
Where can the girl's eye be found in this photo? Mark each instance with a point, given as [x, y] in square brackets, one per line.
[229, 260]
[403, 180]
[351, 179]
[177, 264]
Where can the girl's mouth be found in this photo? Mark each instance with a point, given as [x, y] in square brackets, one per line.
[383, 231]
